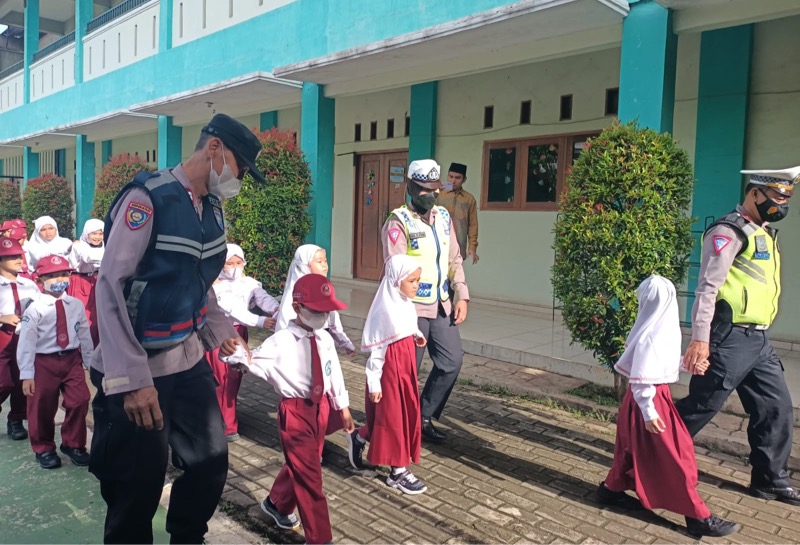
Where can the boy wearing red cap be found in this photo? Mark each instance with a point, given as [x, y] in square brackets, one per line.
[54, 346]
[301, 364]
[16, 293]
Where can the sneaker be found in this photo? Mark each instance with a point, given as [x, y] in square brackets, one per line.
[231, 437]
[16, 430]
[79, 456]
[355, 449]
[712, 526]
[287, 522]
[606, 496]
[48, 460]
[406, 482]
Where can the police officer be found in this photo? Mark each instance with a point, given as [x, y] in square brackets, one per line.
[736, 301]
[425, 232]
[165, 246]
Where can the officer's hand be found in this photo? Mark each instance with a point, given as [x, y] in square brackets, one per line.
[9, 319]
[28, 387]
[228, 347]
[655, 426]
[460, 312]
[142, 408]
[697, 352]
[474, 255]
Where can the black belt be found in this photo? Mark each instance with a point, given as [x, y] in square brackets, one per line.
[753, 327]
[62, 353]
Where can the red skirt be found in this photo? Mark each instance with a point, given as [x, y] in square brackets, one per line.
[660, 468]
[394, 426]
[228, 383]
[82, 287]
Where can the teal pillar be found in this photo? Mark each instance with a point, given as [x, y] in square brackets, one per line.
[422, 132]
[647, 66]
[170, 145]
[61, 162]
[84, 180]
[30, 45]
[1, 167]
[317, 138]
[268, 120]
[106, 151]
[165, 25]
[30, 165]
[84, 12]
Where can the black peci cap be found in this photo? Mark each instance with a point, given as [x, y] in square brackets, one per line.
[239, 139]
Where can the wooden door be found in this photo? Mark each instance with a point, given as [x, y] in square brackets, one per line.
[380, 188]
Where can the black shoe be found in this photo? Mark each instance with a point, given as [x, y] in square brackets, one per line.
[355, 449]
[287, 522]
[406, 482]
[79, 456]
[231, 437]
[785, 494]
[16, 430]
[622, 500]
[48, 460]
[430, 433]
[713, 526]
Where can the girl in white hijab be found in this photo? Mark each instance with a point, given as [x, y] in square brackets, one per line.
[85, 257]
[654, 453]
[310, 258]
[46, 241]
[391, 337]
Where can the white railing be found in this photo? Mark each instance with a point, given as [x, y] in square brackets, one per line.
[11, 92]
[128, 39]
[53, 73]
[193, 19]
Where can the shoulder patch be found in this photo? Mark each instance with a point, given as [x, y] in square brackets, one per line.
[394, 235]
[720, 243]
[137, 215]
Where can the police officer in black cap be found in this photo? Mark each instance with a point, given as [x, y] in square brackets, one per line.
[165, 246]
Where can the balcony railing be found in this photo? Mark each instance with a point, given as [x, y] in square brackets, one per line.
[113, 13]
[62, 42]
[11, 69]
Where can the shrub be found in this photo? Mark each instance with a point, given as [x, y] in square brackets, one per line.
[10, 201]
[622, 219]
[270, 221]
[50, 195]
[119, 170]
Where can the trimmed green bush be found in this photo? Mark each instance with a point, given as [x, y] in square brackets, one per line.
[623, 218]
[10, 201]
[50, 195]
[270, 221]
[119, 170]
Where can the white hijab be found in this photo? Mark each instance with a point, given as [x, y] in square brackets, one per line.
[93, 253]
[233, 275]
[41, 247]
[392, 315]
[298, 269]
[653, 353]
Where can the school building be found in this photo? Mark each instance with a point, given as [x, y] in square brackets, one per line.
[506, 87]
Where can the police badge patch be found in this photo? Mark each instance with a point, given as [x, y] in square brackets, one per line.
[137, 215]
[218, 217]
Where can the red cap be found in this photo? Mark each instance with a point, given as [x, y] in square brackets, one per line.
[18, 233]
[9, 246]
[50, 264]
[316, 292]
[6, 225]
[19, 223]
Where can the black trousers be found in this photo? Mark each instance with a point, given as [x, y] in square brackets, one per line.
[745, 361]
[131, 463]
[444, 347]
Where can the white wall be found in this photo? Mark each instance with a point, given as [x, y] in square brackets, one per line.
[144, 145]
[11, 92]
[53, 73]
[13, 166]
[194, 19]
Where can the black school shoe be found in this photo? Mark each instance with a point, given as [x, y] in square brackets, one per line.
[16, 431]
[606, 496]
[785, 494]
[79, 456]
[48, 460]
[712, 526]
[430, 433]
[355, 450]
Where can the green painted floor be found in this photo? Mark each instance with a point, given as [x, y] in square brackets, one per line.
[51, 506]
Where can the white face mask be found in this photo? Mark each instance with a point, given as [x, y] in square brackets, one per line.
[225, 185]
[234, 273]
[314, 320]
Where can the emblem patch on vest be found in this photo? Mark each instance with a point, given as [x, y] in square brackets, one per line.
[424, 289]
[137, 215]
[394, 235]
[218, 217]
[720, 243]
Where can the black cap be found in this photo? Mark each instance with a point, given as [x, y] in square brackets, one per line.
[239, 139]
[458, 168]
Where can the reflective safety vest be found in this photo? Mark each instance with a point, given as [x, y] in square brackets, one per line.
[753, 284]
[429, 245]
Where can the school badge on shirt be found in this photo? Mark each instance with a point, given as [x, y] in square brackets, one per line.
[137, 215]
[328, 369]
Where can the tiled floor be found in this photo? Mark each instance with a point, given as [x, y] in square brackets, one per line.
[529, 336]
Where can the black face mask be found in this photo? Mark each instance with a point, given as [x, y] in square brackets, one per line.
[771, 211]
[420, 203]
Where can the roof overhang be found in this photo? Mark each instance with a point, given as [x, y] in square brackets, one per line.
[522, 32]
[695, 16]
[245, 95]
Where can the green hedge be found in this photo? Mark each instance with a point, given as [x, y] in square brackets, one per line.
[10, 201]
[50, 195]
[270, 221]
[119, 170]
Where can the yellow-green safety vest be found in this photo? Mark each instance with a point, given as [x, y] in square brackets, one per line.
[429, 245]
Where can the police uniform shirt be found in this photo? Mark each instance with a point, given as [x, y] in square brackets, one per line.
[128, 366]
[27, 291]
[38, 332]
[234, 297]
[399, 245]
[284, 360]
[84, 258]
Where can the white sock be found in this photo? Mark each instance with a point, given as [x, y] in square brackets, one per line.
[398, 470]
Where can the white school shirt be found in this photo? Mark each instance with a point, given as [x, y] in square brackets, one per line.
[38, 332]
[84, 258]
[284, 360]
[375, 362]
[27, 290]
[234, 297]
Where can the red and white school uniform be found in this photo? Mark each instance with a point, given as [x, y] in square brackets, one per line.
[38, 247]
[661, 468]
[15, 296]
[393, 426]
[53, 350]
[86, 259]
[285, 360]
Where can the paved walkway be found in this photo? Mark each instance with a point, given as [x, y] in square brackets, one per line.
[513, 471]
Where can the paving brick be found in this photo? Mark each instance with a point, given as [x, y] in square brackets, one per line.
[623, 529]
[600, 534]
[490, 515]
[456, 500]
[585, 515]
[562, 532]
[360, 533]
[495, 533]
[482, 498]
